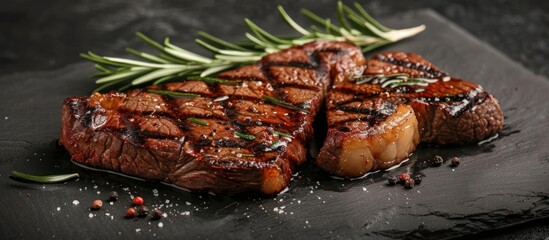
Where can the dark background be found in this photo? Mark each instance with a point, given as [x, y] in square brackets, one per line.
[50, 34]
[47, 35]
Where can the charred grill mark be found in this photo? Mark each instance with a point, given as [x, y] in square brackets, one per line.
[314, 58]
[333, 50]
[399, 95]
[277, 85]
[82, 111]
[477, 100]
[154, 135]
[383, 112]
[203, 142]
[321, 70]
[431, 73]
[240, 78]
[229, 143]
[87, 117]
[450, 98]
[370, 115]
[133, 134]
[357, 95]
[290, 64]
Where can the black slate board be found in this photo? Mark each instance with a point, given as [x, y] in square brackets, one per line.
[498, 184]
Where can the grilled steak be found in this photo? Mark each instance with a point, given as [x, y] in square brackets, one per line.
[377, 113]
[244, 133]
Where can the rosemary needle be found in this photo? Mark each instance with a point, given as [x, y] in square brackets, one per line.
[45, 179]
[198, 121]
[394, 80]
[282, 103]
[283, 134]
[244, 136]
[245, 155]
[173, 94]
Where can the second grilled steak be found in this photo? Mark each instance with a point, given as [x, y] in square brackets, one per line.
[379, 112]
[244, 133]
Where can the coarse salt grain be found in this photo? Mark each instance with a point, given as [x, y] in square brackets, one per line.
[186, 213]
[75, 202]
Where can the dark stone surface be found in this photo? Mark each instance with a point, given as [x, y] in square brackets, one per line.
[498, 184]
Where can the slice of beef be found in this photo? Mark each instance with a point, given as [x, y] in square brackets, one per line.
[375, 123]
[236, 136]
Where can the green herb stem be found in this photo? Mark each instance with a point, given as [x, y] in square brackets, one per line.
[394, 80]
[245, 155]
[282, 103]
[173, 94]
[45, 179]
[244, 136]
[198, 121]
[212, 80]
[283, 134]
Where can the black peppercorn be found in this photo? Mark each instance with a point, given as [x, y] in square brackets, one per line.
[142, 211]
[418, 178]
[156, 214]
[409, 183]
[392, 180]
[113, 196]
[455, 161]
[438, 161]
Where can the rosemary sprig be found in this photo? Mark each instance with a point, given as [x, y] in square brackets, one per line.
[173, 94]
[283, 134]
[282, 103]
[212, 80]
[198, 121]
[244, 136]
[245, 155]
[394, 80]
[45, 179]
[173, 62]
[278, 144]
